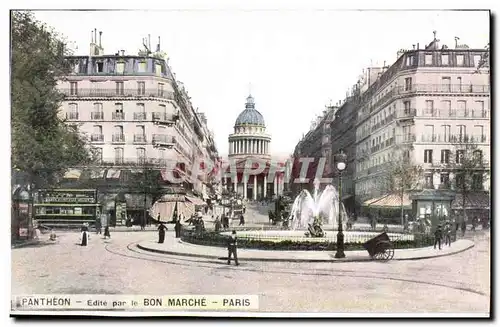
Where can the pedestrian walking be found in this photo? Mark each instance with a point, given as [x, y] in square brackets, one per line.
[447, 234]
[474, 223]
[232, 245]
[84, 235]
[242, 220]
[178, 227]
[106, 232]
[438, 235]
[463, 227]
[98, 227]
[161, 233]
[217, 224]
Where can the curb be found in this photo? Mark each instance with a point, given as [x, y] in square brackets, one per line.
[23, 245]
[296, 260]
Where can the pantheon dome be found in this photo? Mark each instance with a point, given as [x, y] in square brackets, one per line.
[249, 137]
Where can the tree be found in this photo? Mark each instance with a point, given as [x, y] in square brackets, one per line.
[43, 146]
[469, 167]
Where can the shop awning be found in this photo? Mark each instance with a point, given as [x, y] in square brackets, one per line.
[195, 201]
[390, 201]
[166, 210]
[72, 174]
[473, 200]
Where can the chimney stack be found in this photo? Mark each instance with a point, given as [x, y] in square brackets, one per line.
[95, 35]
[122, 52]
[418, 46]
[100, 36]
[91, 36]
[413, 46]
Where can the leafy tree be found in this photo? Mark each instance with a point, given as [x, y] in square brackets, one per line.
[42, 144]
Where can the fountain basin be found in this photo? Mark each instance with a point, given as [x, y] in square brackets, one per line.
[299, 236]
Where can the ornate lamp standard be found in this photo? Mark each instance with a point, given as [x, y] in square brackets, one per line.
[340, 160]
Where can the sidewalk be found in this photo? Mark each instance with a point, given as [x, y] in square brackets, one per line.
[173, 246]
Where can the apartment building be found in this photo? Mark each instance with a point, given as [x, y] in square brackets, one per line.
[423, 108]
[134, 111]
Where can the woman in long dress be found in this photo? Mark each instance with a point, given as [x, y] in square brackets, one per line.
[161, 232]
[85, 235]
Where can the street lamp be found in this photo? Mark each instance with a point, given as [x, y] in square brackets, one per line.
[341, 159]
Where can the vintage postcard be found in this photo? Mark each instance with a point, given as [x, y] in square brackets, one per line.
[250, 163]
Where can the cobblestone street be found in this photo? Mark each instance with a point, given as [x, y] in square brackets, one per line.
[456, 283]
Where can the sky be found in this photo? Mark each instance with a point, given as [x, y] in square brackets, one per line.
[294, 62]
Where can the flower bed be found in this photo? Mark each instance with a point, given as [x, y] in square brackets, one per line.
[210, 238]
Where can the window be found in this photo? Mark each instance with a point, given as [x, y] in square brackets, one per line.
[478, 156]
[408, 84]
[445, 156]
[460, 60]
[141, 68]
[97, 107]
[158, 69]
[445, 179]
[460, 181]
[460, 156]
[446, 107]
[119, 88]
[479, 109]
[446, 81]
[100, 67]
[120, 67]
[428, 133]
[462, 133]
[428, 181]
[119, 155]
[462, 108]
[98, 129]
[444, 59]
[407, 105]
[410, 60]
[141, 155]
[477, 60]
[73, 111]
[73, 88]
[479, 136]
[429, 107]
[406, 154]
[428, 59]
[97, 152]
[160, 89]
[118, 114]
[141, 88]
[161, 155]
[427, 156]
[477, 181]
[446, 132]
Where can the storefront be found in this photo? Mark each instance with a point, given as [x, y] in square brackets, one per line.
[66, 207]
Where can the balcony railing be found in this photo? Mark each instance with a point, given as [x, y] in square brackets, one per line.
[160, 139]
[454, 113]
[118, 116]
[428, 138]
[405, 113]
[444, 88]
[140, 115]
[139, 138]
[119, 138]
[165, 117]
[72, 115]
[97, 115]
[405, 138]
[97, 138]
[113, 92]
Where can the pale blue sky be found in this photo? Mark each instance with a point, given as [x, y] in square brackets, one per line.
[296, 61]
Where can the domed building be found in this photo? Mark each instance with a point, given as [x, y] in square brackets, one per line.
[250, 141]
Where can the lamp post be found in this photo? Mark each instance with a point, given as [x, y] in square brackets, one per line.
[341, 165]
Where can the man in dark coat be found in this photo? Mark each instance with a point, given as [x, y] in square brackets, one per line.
[178, 227]
[106, 232]
[232, 245]
[161, 232]
[438, 235]
[85, 235]
[242, 220]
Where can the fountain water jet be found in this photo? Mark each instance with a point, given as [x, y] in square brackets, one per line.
[325, 204]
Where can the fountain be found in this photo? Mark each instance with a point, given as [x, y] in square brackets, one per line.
[313, 210]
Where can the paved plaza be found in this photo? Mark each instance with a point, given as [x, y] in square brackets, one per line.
[453, 283]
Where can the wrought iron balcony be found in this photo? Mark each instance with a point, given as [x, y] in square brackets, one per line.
[405, 138]
[162, 117]
[114, 92]
[97, 115]
[140, 116]
[72, 115]
[163, 140]
[118, 116]
[119, 138]
[139, 138]
[429, 138]
[97, 138]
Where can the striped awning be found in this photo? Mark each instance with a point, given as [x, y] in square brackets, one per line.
[195, 201]
[389, 201]
[166, 210]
